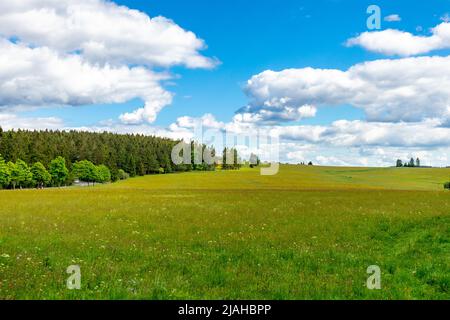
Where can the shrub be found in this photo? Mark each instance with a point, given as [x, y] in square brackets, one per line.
[103, 175]
[447, 185]
[122, 175]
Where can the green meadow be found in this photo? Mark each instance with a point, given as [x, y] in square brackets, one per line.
[306, 233]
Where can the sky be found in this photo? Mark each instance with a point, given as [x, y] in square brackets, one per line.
[334, 91]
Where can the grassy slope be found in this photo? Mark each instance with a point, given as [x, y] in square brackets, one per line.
[305, 233]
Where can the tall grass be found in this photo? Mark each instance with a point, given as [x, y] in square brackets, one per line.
[307, 233]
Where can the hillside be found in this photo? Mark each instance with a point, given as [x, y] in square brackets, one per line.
[307, 233]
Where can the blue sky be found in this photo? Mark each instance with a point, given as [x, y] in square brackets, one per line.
[312, 72]
[249, 37]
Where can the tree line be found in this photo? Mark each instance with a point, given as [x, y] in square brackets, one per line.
[411, 163]
[231, 160]
[20, 175]
[56, 158]
[131, 154]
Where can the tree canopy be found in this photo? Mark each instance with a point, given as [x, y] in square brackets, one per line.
[41, 176]
[59, 171]
[133, 153]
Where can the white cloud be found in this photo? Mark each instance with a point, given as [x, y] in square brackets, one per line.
[40, 77]
[206, 121]
[357, 133]
[359, 143]
[102, 32]
[395, 42]
[349, 143]
[9, 121]
[175, 133]
[392, 18]
[408, 89]
[275, 111]
[342, 143]
[79, 52]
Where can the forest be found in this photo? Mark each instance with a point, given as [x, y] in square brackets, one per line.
[133, 154]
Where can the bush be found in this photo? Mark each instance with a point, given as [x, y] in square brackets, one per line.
[447, 185]
[103, 175]
[122, 175]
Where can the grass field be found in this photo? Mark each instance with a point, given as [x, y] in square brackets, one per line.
[307, 233]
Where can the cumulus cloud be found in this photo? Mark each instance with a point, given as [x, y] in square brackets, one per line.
[395, 42]
[102, 31]
[79, 52]
[357, 133]
[273, 112]
[9, 121]
[343, 142]
[175, 133]
[206, 121]
[360, 143]
[342, 133]
[392, 18]
[41, 77]
[408, 89]
[363, 157]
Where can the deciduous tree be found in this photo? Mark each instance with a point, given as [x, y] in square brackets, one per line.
[58, 171]
[41, 176]
[4, 173]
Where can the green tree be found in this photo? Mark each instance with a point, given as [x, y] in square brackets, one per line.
[4, 173]
[152, 163]
[13, 174]
[85, 171]
[103, 174]
[41, 176]
[417, 162]
[59, 171]
[135, 154]
[20, 174]
[399, 163]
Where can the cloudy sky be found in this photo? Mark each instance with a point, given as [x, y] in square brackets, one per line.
[312, 72]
